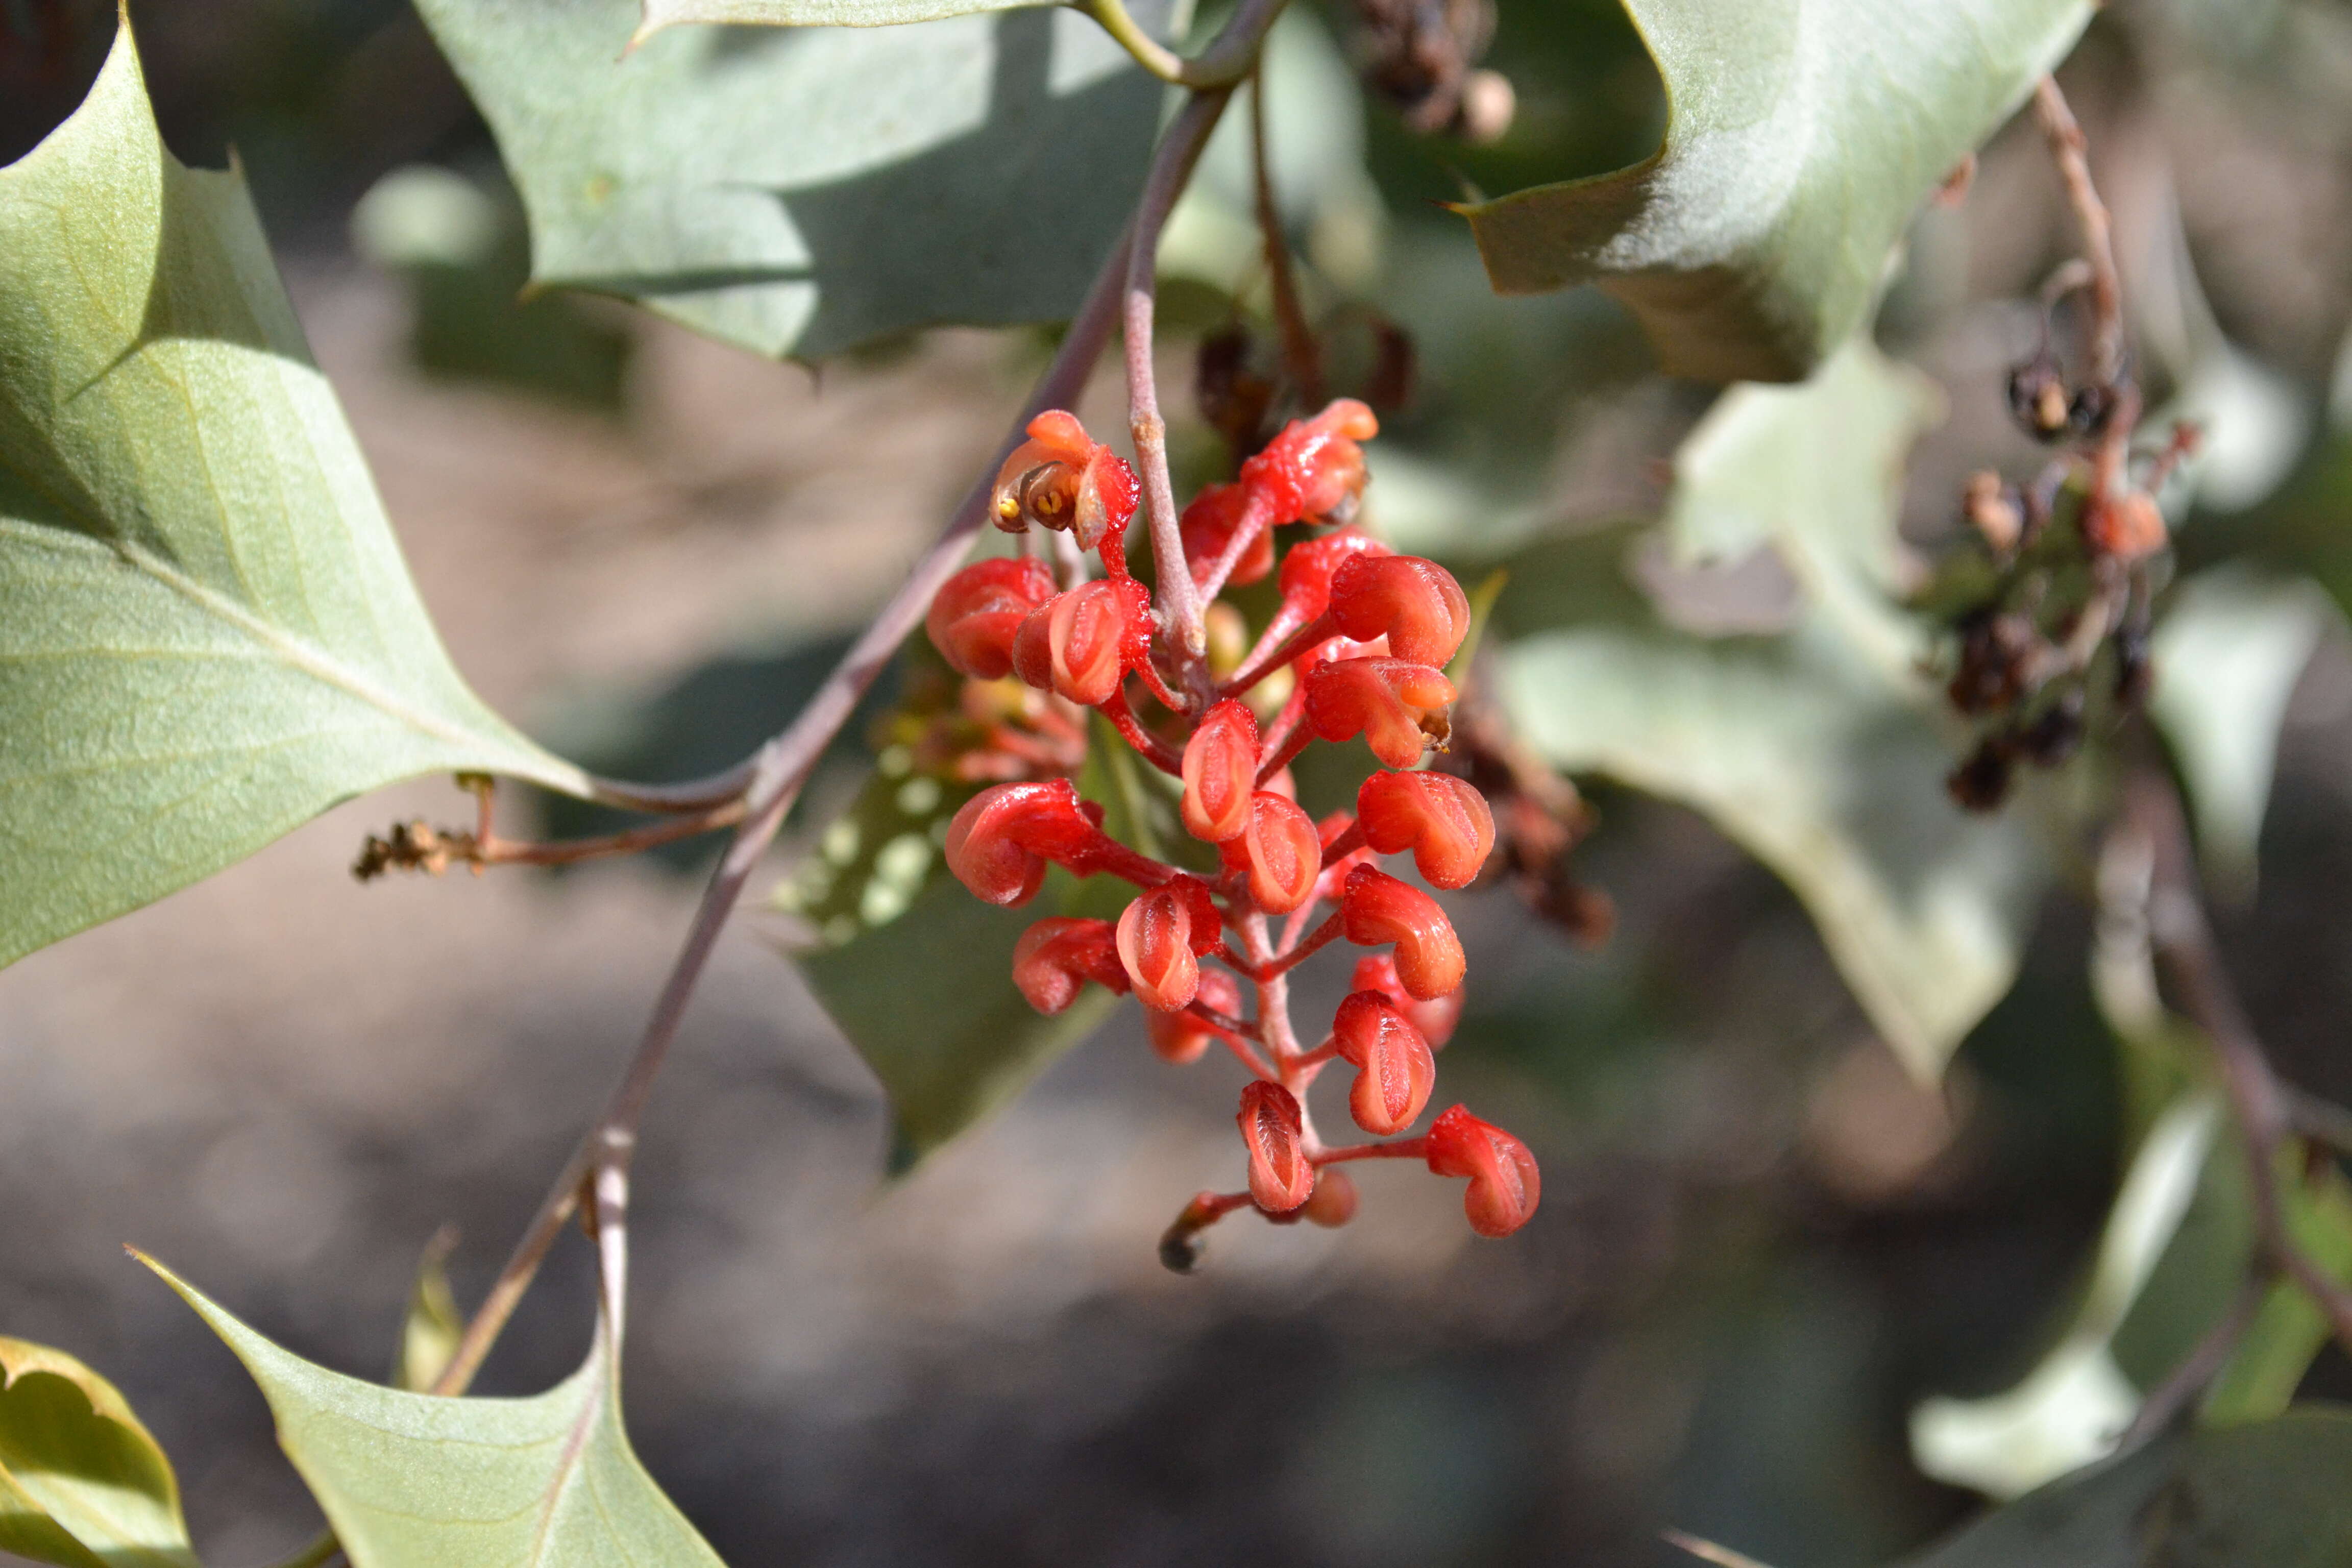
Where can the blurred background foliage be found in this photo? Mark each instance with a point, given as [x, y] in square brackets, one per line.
[1762, 1246]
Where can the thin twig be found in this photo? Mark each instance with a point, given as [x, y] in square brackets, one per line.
[2184, 952]
[2203, 1364]
[1300, 353]
[1180, 599]
[2069, 147]
[776, 776]
[1230, 58]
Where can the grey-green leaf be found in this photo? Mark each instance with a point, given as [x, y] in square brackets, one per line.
[82, 1483]
[433, 1326]
[804, 191]
[1801, 136]
[819, 13]
[2228, 653]
[929, 1003]
[206, 631]
[410, 1480]
[1818, 747]
[2271, 1493]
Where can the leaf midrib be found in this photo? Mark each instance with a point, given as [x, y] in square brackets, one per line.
[295, 653]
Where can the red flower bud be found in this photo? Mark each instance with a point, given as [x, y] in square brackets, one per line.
[1280, 1177]
[1207, 527]
[1180, 1037]
[1056, 957]
[1441, 819]
[998, 845]
[1503, 1184]
[1308, 570]
[1081, 644]
[1219, 773]
[1436, 1018]
[1377, 908]
[976, 612]
[1397, 706]
[1281, 851]
[1394, 1069]
[1063, 478]
[1415, 603]
[1314, 466]
[1155, 943]
[1334, 1202]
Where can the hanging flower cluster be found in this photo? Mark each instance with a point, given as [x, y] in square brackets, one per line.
[1357, 646]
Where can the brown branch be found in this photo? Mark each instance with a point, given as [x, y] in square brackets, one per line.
[1179, 598]
[2069, 149]
[2185, 953]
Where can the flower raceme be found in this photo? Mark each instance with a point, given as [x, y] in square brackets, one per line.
[1368, 632]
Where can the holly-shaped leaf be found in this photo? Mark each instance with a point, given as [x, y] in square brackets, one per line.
[2269, 1493]
[206, 631]
[82, 1483]
[411, 1480]
[802, 190]
[1801, 136]
[1816, 745]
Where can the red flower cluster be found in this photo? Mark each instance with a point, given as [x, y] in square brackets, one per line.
[1367, 633]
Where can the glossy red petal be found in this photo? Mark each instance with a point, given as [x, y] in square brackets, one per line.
[1415, 603]
[1505, 1186]
[1221, 773]
[1280, 1176]
[1395, 1070]
[1443, 820]
[1155, 944]
[1378, 909]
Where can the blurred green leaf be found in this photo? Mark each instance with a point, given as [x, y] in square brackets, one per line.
[928, 1001]
[804, 191]
[819, 13]
[919, 974]
[206, 632]
[82, 1483]
[410, 1480]
[431, 1330]
[2270, 1494]
[2070, 1409]
[1803, 136]
[2289, 1331]
[2228, 654]
[1819, 748]
[464, 253]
